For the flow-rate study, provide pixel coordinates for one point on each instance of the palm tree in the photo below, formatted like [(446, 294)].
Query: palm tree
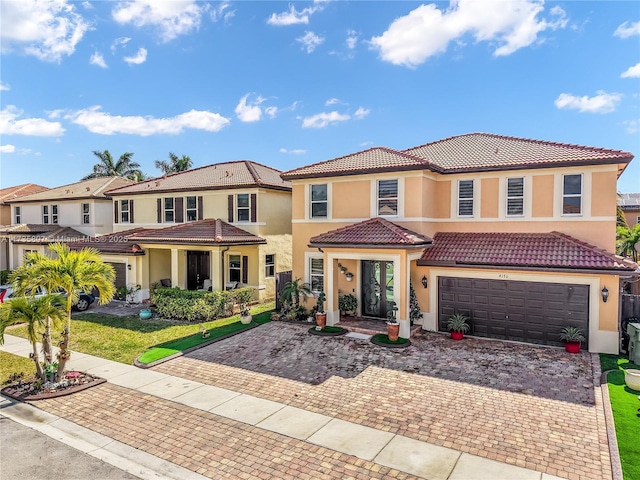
[(294, 290), (621, 220), (175, 164), (626, 241), (107, 167), (71, 271), (38, 313)]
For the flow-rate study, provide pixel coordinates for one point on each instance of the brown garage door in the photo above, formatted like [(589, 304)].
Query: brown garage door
[(121, 273), (532, 312)]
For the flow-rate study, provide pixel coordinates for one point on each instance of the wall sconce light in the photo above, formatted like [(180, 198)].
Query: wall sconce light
[(605, 294), (349, 276), (128, 266), (424, 281)]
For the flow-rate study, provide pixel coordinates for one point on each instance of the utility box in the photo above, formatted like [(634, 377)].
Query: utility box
[(633, 329)]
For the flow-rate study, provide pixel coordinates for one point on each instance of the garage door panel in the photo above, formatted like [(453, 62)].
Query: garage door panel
[(121, 274)]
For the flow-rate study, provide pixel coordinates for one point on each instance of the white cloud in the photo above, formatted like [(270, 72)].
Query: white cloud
[(361, 113), (427, 30), (310, 41), (631, 126), (324, 119), (119, 42), (138, 58), (4, 87), (603, 102), (366, 144), (38, 127), (251, 111), (293, 16), (352, 39), (173, 18), (271, 111), (105, 124), (297, 151), (627, 30), (47, 30), (632, 72), (98, 59), (218, 12), (7, 148), (87, 5), (332, 101), (54, 113)]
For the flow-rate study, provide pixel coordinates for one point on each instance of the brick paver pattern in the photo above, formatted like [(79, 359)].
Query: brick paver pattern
[(524, 405)]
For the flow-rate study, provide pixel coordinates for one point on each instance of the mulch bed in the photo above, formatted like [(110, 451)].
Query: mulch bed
[(24, 390)]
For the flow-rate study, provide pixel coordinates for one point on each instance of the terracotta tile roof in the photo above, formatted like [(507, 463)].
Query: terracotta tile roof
[(210, 231), (112, 243), (543, 250), (60, 234), (629, 201), (19, 190), (374, 232), (238, 174), (87, 189), (28, 228), (471, 152)]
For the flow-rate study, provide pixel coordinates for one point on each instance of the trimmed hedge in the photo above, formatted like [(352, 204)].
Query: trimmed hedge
[(197, 306)]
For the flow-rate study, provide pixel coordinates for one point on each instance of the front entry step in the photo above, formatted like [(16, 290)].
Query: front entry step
[(369, 326)]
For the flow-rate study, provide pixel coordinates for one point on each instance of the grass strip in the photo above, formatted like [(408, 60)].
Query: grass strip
[(11, 364)]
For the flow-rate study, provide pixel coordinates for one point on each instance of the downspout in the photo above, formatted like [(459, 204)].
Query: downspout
[(222, 252)]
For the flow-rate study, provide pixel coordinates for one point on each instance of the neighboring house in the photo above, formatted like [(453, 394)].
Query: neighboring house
[(58, 214), (5, 213), (630, 205), (218, 226), (517, 234)]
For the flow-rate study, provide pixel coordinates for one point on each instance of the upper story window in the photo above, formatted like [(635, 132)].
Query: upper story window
[(465, 198), (192, 209), (169, 210), (45, 214), (85, 213), (124, 211), (319, 201), (242, 207), (515, 197), (387, 197), (17, 215), (572, 194), (270, 265), (316, 275), (54, 214)]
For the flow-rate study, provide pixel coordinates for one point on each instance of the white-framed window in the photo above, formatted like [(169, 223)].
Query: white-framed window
[(387, 197), (235, 268), (54, 214), (45, 214), (169, 210), (124, 211), (242, 207), (572, 194), (319, 206), (17, 214), (192, 209), (270, 265), (316, 274), (465, 198), (637, 219), (515, 197), (85, 213)]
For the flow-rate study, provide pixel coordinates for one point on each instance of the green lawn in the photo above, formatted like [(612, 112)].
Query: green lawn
[(122, 339), (625, 404), (10, 364)]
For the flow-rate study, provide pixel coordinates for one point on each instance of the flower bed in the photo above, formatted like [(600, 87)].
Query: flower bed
[(33, 389)]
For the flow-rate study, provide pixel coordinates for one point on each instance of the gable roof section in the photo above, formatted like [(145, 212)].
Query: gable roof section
[(553, 250), (94, 188), (219, 176), (629, 201), (59, 234), (28, 229), (205, 232), (373, 232), (20, 190), (112, 243)]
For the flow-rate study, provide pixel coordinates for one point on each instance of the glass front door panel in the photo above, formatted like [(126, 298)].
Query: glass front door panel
[(377, 287)]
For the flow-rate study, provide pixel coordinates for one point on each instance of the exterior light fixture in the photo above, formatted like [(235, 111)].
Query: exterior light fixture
[(349, 276), (424, 281), (605, 294), (128, 266)]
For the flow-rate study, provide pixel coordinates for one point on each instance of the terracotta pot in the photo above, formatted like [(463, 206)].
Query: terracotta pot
[(393, 330), (457, 335), (572, 347), (321, 319)]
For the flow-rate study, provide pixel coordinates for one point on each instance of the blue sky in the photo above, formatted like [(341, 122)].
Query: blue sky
[(291, 83)]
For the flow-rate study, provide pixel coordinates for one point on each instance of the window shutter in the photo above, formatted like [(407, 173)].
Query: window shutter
[(200, 211), (245, 269), (130, 211), (254, 207), (179, 211), (230, 215), (159, 210), (115, 212)]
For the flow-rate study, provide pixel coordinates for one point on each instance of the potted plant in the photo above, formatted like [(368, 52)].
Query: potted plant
[(245, 316), (321, 316), (458, 326), (347, 303), (205, 333), (572, 338), (393, 326)]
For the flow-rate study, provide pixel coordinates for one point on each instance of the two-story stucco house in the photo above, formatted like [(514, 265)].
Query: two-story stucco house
[(516, 234), (58, 214), (213, 227), (630, 205)]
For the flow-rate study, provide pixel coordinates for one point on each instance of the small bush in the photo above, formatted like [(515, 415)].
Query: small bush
[(196, 306), (4, 276)]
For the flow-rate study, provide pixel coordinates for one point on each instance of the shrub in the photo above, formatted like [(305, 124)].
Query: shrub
[(4, 276), (347, 303), (196, 305)]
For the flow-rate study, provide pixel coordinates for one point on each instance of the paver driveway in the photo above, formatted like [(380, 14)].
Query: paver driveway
[(529, 406)]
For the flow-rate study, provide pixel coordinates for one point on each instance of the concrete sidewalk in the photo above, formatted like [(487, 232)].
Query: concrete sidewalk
[(383, 448)]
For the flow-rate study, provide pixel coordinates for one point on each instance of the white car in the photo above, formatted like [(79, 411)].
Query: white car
[(6, 293)]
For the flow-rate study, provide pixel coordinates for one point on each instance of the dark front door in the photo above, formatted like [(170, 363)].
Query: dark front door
[(377, 288), (198, 266)]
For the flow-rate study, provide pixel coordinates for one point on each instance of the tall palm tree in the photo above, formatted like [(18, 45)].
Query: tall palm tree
[(626, 241), (108, 167), (175, 164), (71, 271), (37, 313)]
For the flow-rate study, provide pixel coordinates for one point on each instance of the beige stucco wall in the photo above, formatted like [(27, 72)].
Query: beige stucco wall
[(604, 196), (631, 216), (490, 189), (5, 214), (443, 199), (543, 196), (350, 199)]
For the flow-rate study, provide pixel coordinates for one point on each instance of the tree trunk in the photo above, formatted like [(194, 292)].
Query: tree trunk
[(46, 342), (36, 360), (64, 353)]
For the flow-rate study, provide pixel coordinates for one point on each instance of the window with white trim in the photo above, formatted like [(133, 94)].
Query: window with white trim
[(192, 209), (124, 211), (319, 201), (465, 198), (637, 220), (572, 194), (242, 207), (270, 265), (235, 268), (387, 197), (54, 214), (17, 215), (45, 214), (316, 274), (169, 210), (515, 197), (85, 213)]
